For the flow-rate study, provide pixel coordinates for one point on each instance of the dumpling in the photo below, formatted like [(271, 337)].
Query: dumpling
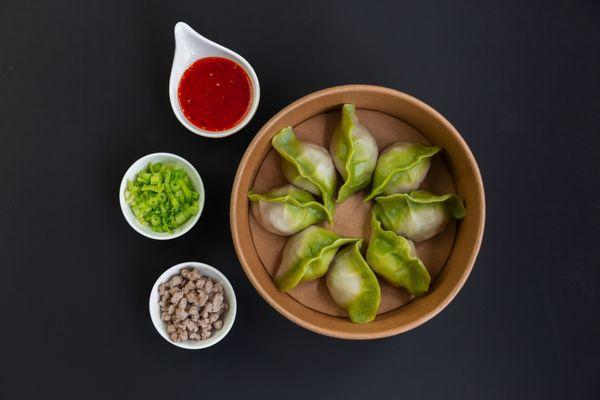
[(418, 215), (286, 210), (353, 285), (401, 168), (307, 255), (307, 166), (354, 152), (394, 258)]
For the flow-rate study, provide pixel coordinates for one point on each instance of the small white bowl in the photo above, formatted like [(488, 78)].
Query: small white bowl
[(138, 166), (215, 275), (191, 46)]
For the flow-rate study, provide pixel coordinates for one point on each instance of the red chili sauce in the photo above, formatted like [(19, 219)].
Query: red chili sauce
[(215, 94)]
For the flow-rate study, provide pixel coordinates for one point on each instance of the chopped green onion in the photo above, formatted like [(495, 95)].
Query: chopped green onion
[(162, 197), (155, 179), (152, 188)]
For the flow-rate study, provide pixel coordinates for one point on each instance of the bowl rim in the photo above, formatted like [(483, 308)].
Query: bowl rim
[(154, 308), (128, 213), (290, 310)]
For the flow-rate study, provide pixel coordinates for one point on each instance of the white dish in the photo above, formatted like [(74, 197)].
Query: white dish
[(142, 163), (229, 316), (191, 46)]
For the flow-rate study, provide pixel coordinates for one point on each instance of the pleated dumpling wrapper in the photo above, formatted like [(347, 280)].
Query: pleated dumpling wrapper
[(286, 210), (307, 255), (354, 152), (307, 165), (401, 167), (394, 258), (419, 215), (352, 284)]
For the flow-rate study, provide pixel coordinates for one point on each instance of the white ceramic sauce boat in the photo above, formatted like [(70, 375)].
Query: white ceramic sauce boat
[(191, 46)]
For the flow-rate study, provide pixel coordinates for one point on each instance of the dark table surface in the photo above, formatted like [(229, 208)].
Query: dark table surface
[(84, 94)]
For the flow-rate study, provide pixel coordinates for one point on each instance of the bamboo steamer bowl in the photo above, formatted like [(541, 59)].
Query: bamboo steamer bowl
[(468, 235)]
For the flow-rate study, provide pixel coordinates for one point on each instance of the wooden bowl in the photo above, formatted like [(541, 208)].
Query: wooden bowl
[(390, 115)]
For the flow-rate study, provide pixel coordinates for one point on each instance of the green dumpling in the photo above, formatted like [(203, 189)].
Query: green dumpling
[(354, 152), (307, 166), (394, 258), (286, 210), (419, 215), (353, 285), (401, 168), (307, 255)]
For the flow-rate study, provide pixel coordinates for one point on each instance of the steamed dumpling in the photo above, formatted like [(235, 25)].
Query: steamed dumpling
[(286, 210), (401, 168), (307, 166), (354, 153), (307, 255), (353, 285), (394, 258), (419, 215)]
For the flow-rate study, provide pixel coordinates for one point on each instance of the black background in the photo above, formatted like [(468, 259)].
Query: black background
[(83, 94)]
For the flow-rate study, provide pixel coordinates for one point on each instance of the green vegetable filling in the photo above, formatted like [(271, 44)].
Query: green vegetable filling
[(162, 197)]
